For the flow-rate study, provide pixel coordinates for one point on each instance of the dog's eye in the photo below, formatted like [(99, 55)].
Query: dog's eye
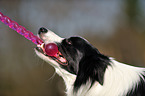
[(68, 42)]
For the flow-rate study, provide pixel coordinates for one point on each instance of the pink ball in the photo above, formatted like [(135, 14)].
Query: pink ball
[(51, 49)]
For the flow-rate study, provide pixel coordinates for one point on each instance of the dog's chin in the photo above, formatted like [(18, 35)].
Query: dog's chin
[(59, 59), (47, 59)]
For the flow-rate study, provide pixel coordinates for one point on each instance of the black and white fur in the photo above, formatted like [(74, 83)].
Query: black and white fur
[(90, 73)]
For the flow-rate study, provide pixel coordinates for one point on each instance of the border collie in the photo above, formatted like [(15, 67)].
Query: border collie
[(87, 72)]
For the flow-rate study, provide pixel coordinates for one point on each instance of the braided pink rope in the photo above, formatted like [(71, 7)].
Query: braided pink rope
[(20, 29)]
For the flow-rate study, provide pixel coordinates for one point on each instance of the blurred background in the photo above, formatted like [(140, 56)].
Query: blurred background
[(115, 27)]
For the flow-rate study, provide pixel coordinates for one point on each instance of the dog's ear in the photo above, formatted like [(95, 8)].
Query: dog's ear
[(91, 69)]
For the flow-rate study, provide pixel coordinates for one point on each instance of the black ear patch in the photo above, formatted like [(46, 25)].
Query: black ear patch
[(91, 68), (85, 61)]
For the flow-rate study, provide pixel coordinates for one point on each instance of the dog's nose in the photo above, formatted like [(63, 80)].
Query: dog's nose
[(42, 30)]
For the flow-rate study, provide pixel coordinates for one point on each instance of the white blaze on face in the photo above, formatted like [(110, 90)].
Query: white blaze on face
[(50, 37)]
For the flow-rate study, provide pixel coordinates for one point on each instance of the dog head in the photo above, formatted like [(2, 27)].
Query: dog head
[(76, 57)]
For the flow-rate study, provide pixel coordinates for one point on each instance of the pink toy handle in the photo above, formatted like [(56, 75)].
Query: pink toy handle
[(20, 29)]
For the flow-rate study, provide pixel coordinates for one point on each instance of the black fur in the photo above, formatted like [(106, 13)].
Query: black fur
[(88, 63), (140, 88), (84, 60)]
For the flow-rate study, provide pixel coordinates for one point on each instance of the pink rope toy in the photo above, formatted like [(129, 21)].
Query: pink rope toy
[(20, 29)]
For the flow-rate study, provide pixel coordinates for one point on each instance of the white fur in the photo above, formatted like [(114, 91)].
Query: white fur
[(69, 78), (119, 78), (50, 37)]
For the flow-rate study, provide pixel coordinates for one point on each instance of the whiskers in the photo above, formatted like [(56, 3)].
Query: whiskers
[(43, 68), (51, 77)]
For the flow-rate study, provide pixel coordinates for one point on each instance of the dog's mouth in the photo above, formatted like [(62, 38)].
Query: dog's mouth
[(59, 58)]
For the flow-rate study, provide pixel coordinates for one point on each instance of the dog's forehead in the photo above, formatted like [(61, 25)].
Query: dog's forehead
[(79, 40)]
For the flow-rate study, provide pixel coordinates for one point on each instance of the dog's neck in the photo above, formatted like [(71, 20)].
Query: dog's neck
[(67, 77), (114, 71)]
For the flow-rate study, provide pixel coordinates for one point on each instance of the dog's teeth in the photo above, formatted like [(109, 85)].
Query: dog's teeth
[(41, 46), (62, 59), (38, 45)]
